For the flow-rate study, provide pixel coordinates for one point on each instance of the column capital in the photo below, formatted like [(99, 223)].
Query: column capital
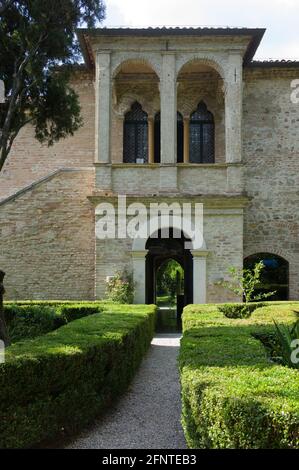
[(199, 253), (139, 254)]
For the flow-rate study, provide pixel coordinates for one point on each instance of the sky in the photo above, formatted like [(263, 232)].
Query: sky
[(280, 17)]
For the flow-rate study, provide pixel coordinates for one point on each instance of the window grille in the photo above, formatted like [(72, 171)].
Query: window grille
[(202, 135), (135, 146)]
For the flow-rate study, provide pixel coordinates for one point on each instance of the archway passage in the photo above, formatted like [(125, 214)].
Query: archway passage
[(160, 252), (275, 276)]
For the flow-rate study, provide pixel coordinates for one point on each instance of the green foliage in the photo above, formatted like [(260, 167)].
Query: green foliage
[(38, 45), (33, 319), (287, 344), (120, 288), (233, 396), (244, 283), (57, 383), (239, 310), (170, 279), (30, 321)]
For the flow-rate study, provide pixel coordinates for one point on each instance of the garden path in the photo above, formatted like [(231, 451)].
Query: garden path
[(148, 415)]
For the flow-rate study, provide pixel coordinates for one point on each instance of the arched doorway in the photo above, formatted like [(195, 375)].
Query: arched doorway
[(275, 276), (161, 250)]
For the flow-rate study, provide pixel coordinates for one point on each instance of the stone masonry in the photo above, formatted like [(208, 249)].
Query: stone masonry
[(48, 196)]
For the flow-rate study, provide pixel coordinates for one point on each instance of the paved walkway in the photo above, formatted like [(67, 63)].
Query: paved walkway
[(149, 414)]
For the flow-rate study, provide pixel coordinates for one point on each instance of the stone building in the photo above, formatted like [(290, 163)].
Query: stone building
[(170, 115)]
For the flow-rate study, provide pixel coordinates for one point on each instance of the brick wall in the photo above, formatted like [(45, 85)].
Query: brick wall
[(29, 161), (271, 153), (47, 240)]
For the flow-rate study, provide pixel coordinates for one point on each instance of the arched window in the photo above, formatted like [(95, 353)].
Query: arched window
[(135, 135), (202, 135), (180, 138), (275, 275)]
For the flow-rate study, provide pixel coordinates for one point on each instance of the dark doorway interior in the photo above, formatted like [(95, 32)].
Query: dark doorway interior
[(160, 250), (275, 276)]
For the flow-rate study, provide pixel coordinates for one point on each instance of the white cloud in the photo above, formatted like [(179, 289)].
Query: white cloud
[(280, 17)]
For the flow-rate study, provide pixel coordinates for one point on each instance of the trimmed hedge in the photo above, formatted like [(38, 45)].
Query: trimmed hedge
[(233, 395), (239, 310), (61, 381), (31, 319)]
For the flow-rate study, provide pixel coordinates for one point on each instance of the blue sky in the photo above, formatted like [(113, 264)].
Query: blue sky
[(280, 17)]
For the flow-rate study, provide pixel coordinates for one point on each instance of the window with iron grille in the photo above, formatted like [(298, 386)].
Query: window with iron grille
[(202, 135), (135, 148), (180, 137)]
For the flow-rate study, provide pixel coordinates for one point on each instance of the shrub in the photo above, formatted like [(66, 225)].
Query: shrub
[(287, 339), (30, 321), (62, 380), (245, 283), (233, 396), (33, 319), (120, 288), (239, 310), (71, 312)]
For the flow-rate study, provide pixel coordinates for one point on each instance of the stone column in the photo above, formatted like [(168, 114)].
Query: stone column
[(199, 276), (103, 107), (186, 139), (168, 98), (139, 275), (103, 121), (151, 140), (233, 109), (168, 94)]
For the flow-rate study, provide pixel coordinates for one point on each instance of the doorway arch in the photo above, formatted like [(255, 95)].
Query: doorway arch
[(198, 253), (160, 250)]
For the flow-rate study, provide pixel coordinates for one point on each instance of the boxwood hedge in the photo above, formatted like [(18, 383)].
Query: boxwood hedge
[(60, 381), (31, 319), (233, 395)]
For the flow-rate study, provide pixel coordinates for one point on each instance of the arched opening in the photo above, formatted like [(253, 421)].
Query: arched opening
[(201, 100), (136, 97), (162, 251), (202, 135), (135, 145), (170, 282), (275, 275), (169, 293), (180, 138)]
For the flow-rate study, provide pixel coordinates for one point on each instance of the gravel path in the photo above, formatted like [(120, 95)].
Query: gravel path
[(148, 416)]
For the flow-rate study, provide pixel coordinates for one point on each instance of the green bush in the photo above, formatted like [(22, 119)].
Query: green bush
[(239, 310), (71, 312), (120, 288), (233, 396), (31, 319), (61, 381)]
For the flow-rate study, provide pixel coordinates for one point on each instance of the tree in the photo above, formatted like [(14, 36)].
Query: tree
[(245, 282), (38, 46)]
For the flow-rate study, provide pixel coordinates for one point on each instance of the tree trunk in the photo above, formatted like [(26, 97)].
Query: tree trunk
[(3, 329)]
